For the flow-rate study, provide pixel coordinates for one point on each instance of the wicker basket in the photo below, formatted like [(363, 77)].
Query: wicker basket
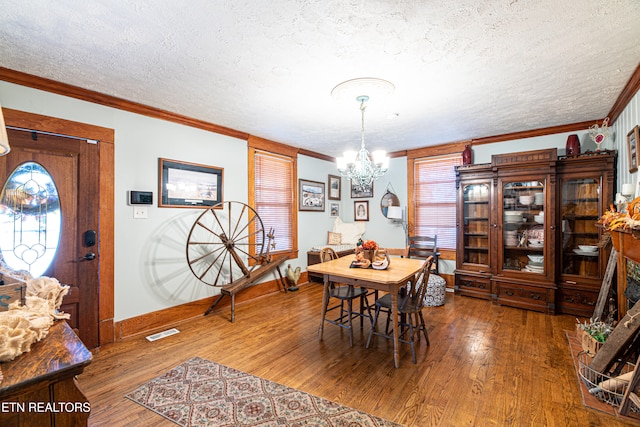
[(594, 380)]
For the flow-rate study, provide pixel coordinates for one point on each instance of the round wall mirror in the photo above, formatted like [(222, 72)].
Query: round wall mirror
[(389, 199)]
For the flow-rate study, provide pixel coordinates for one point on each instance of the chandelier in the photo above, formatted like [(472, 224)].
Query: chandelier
[(360, 167)]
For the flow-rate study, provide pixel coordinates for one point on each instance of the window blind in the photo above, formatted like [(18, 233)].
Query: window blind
[(274, 197), (435, 198)]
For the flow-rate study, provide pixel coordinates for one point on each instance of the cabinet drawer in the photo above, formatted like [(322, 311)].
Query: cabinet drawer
[(578, 302), (479, 287), (526, 296)]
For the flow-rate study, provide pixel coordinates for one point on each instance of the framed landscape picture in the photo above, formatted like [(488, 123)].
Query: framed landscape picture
[(357, 193), (311, 195), (188, 185)]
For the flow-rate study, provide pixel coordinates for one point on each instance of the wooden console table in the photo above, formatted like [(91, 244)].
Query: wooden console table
[(313, 257), (39, 387)]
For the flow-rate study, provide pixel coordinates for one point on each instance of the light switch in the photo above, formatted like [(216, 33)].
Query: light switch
[(140, 212)]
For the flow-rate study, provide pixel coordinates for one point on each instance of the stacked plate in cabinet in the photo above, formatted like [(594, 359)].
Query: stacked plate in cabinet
[(511, 238), (513, 217), (587, 250), (535, 265), (538, 198)]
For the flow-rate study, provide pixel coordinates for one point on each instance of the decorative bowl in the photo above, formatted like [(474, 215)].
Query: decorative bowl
[(536, 242), (588, 248)]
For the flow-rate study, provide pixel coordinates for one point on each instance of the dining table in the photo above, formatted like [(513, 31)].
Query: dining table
[(391, 280)]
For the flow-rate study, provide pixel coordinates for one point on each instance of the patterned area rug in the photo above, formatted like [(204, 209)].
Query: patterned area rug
[(204, 393)]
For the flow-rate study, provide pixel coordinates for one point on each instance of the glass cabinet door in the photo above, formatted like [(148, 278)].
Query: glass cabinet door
[(476, 223), (580, 212), (523, 230)]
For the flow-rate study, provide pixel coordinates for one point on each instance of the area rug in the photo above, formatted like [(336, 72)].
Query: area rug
[(204, 393)]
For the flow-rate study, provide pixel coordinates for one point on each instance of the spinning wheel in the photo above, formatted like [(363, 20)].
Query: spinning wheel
[(222, 241), (226, 248)]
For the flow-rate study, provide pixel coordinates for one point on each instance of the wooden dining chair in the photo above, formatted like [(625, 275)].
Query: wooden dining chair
[(401, 252), (345, 294), (423, 247), (410, 304)]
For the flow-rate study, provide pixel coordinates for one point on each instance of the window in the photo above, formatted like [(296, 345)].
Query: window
[(272, 191), (30, 219), (434, 187)]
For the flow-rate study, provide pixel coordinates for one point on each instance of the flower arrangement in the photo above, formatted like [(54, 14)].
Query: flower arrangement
[(629, 220), (369, 245), (366, 253)]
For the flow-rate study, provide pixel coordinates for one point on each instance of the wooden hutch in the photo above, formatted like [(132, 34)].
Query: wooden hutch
[(526, 229)]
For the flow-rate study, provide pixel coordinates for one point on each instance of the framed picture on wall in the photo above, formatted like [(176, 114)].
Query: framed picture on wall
[(188, 185), (334, 187), (334, 209), (632, 149), (361, 210), (357, 192), (311, 195)]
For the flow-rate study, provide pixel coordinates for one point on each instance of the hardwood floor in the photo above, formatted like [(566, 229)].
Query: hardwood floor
[(486, 365)]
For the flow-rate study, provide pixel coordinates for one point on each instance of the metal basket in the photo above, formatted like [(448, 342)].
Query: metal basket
[(615, 390)]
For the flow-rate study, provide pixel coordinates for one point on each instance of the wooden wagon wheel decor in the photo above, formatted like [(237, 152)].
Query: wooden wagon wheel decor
[(226, 248)]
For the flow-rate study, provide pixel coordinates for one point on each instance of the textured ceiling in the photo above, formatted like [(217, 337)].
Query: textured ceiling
[(462, 69)]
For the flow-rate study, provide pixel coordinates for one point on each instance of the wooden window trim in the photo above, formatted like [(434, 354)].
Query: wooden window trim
[(276, 148), (414, 156)]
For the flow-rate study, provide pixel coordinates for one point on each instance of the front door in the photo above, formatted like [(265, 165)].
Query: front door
[(74, 167)]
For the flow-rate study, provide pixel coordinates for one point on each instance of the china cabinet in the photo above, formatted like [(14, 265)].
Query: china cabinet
[(525, 228), (527, 234), (474, 231), (586, 187)]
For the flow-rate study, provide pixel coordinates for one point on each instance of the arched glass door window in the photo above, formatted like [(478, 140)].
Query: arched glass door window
[(30, 219)]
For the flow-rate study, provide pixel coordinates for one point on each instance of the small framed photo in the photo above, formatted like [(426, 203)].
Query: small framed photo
[(358, 193), (361, 210), (310, 195), (633, 138), (334, 187), (334, 209), (188, 185)]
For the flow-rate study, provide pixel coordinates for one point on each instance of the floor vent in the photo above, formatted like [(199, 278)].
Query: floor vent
[(162, 334)]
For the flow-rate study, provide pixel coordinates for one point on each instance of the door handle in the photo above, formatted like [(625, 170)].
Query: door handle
[(90, 256)]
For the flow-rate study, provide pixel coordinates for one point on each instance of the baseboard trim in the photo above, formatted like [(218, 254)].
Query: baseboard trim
[(162, 319)]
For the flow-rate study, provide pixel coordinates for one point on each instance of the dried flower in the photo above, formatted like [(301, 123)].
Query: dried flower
[(597, 329), (369, 245)]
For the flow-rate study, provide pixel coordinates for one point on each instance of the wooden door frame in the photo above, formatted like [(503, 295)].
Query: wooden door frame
[(105, 136)]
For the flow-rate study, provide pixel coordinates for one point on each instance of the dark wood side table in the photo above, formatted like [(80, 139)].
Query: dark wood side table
[(313, 257), (39, 387)]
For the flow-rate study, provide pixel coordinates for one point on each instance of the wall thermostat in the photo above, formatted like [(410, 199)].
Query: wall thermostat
[(140, 197)]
